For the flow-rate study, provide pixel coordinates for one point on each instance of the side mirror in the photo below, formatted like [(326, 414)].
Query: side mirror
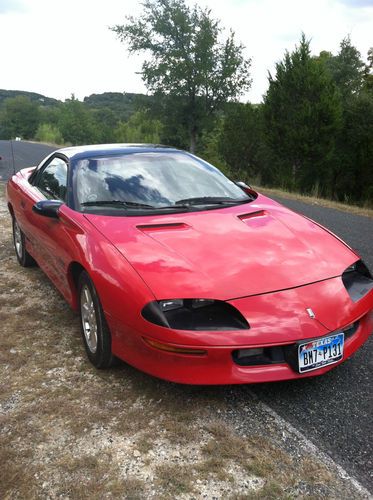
[(242, 185), (47, 208)]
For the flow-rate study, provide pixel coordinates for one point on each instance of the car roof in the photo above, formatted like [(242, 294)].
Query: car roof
[(77, 152)]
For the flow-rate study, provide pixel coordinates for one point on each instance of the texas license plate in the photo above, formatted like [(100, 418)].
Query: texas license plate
[(317, 353)]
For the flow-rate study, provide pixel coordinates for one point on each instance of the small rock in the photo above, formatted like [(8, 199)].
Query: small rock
[(136, 453)]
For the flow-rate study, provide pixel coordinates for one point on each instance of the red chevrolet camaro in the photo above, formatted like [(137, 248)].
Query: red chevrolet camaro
[(185, 274)]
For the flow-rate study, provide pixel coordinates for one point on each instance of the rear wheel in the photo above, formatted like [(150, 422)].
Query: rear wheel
[(95, 331), (23, 257)]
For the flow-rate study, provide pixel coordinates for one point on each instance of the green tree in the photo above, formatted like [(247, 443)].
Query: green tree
[(347, 68), (302, 112), (77, 124), (107, 122), (240, 137), (49, 133), (354, 181), (50, 114), (187, 59), (171, 111), (349, 174), (20, 117), (368, 77), (209, 146), (140, 128)]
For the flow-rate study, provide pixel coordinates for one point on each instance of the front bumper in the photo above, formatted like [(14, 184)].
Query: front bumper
[(217, 367), (277, 319)]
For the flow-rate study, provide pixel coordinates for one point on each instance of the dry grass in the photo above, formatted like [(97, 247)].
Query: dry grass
[(52, 144), (174, 480), (70, 431), (312, 200)]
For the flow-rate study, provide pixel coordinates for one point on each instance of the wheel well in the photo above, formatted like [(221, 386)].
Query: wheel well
[(75, 270), (10, 208)]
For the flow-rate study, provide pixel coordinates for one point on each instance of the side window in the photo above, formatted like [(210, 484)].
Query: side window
[(52, 180)]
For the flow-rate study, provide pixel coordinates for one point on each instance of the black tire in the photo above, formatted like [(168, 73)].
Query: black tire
[(99, 352), (23, 257)]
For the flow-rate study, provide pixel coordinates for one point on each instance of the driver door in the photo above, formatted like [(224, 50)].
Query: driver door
[(48, 237)]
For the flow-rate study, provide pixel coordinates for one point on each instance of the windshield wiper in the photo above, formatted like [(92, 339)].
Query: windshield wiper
[(129, 204), (133, 204), (180, 204), (210, 200)]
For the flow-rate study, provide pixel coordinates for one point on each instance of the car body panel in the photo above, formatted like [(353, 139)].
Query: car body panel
[(216, 254)]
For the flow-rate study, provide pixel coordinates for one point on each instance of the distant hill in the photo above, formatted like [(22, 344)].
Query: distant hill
[(33, 96), (122, 104)]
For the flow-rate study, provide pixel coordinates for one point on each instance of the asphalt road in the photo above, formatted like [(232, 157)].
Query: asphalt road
[(26, 154), (334, 411)]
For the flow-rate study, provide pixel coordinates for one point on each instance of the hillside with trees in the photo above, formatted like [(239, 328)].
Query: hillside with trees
[(123, 105), (32, 96), (313, 132)]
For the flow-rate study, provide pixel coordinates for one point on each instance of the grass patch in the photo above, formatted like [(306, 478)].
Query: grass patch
[(313, 200), (174, 480), (270, 491)]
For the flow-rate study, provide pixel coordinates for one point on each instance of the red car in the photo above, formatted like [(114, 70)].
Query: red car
[(185, 274)]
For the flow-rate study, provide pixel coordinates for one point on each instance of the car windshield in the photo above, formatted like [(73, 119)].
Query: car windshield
[(149, 181)]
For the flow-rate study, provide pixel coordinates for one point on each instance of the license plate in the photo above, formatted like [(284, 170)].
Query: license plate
[(317, 353)]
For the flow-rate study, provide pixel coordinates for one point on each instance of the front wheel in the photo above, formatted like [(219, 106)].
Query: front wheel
[(23, 257), (95, 331)]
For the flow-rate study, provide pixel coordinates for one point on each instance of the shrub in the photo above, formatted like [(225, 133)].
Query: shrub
[(49, 133)]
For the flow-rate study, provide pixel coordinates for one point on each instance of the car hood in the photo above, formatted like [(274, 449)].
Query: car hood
[(226, 253)]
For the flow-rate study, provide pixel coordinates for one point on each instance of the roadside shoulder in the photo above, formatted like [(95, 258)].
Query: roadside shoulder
[(311, 200)]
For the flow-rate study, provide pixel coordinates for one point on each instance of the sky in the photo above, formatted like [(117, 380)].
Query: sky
[(57, 48)]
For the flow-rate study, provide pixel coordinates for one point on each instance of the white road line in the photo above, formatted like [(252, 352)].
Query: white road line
[(308, 446)]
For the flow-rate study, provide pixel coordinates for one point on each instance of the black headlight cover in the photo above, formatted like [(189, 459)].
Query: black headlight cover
[(191, 314), (357, 280)]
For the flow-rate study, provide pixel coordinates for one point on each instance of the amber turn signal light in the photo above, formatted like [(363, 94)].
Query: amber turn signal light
[(174, 349)]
